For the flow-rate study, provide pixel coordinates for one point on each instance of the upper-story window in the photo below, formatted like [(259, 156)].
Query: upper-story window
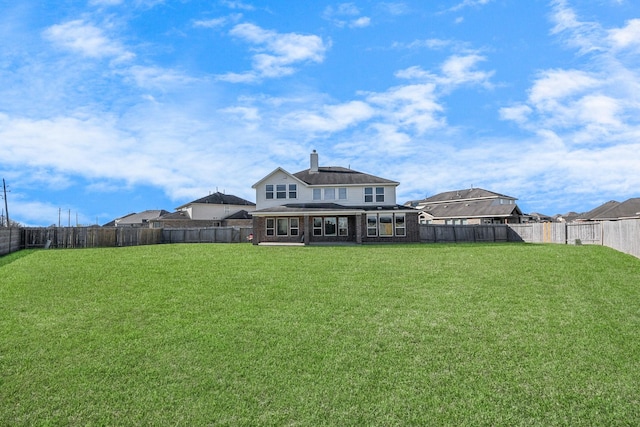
[(329, 193), (342, 193), (374, 193), (281, 191)]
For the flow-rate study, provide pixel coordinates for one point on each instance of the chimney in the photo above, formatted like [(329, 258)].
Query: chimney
[(314, 162)]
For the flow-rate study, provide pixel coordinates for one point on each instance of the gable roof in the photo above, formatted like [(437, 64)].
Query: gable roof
[(595, 212), (614, 210), (336, 175), (275, 171), (218, 198), (460, 196), (471, 209), (175, 215), (139, 218), (242, 214)]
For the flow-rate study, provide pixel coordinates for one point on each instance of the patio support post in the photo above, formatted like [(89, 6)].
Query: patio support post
[(307, 230), (359, 229)]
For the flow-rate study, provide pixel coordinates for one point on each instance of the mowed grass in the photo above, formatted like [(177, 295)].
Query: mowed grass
[(238, 335)]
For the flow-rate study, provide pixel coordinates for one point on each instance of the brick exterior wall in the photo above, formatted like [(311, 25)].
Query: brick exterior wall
[(412, 231), (357, 232)]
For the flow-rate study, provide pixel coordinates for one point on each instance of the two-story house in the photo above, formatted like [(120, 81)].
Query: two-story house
[(330, 205), (468, 206)]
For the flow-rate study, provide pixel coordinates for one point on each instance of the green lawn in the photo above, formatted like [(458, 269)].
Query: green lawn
[(239, 335)]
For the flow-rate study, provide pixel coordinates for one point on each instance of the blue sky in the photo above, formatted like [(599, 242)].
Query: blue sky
[(114, 106)]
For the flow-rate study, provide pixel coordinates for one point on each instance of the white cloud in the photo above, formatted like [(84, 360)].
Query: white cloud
[(412, 106), (587, 107), (586, 36), (34, 213), (411, 109), (346, 15), (331, 118), (394, 8), (361, 22), (156, 77), (599, 110), (427, 43), (86, 39), (217, 22), (105, 2), (277, 53), (517, 113), (469, 3), (557, 84), (626, 37), (247, 114), (460, 70), (237, 5), (455, 71)]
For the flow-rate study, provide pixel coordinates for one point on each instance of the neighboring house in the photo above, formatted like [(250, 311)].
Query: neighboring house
[(469, 206), (330, 205), (536, 217), (215, 210), (595, 212), (612, 211), (142, 219), (216, 206), (568, 217)]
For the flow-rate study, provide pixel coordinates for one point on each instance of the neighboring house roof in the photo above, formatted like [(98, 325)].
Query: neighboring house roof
[(242, 214), (568, 217), (139, 218), (175, 215), (628, 209), (335, 175), (596, 212), (472, 208), (459, 195), (112, 223), (218, 198)]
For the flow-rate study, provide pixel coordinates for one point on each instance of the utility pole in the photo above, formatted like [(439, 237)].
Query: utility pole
[(6, 207), (6, 211)]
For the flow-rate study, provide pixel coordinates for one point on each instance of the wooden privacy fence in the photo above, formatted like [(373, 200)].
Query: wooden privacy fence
[(10, 240), (437, 233), (89, 237), (622, 235), (207, 235), (589, 233), (98, 237)]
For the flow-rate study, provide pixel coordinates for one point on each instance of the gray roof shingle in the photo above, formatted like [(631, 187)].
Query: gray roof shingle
[(460, 195), (475, 208), (335, 175), (614, 210), (221, 199)]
